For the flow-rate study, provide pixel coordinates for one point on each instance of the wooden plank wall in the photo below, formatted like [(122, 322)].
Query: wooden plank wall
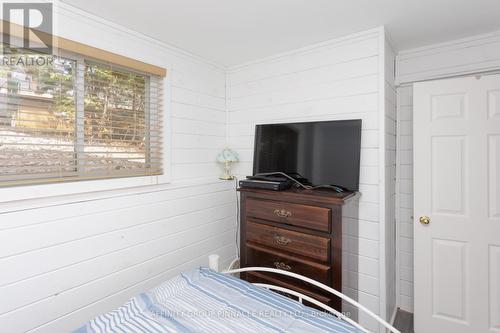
[(329, 81), (64, 260)]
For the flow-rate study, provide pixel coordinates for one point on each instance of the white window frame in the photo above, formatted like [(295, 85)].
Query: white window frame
[(78, 187)]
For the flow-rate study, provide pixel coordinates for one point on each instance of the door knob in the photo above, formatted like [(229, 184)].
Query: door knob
[(425, 220)]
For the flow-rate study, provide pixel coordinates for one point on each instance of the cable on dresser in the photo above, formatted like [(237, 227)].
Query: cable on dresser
[(337, 189)]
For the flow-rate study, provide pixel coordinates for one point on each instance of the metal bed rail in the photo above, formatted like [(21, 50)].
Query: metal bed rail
[(303, 297)]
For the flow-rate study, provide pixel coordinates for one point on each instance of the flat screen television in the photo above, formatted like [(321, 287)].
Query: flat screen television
[(318, 153)]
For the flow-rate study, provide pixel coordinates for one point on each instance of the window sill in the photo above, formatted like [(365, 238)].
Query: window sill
[(29, 197), (29, 192), (33, 196)]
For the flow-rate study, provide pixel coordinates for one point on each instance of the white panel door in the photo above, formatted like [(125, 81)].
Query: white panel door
[(457, 205)]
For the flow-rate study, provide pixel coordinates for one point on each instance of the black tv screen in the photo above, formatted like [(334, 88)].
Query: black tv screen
[(320, 153)]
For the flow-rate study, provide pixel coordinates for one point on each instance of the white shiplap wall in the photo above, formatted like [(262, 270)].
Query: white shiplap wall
[(390, 180), (475, 54), (335, 80), (405, 197), (65, 259)]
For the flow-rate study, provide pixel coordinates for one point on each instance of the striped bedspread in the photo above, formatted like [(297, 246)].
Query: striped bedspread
[(206, 301)]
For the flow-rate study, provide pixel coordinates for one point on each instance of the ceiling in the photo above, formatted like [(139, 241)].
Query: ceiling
[(231, 32)]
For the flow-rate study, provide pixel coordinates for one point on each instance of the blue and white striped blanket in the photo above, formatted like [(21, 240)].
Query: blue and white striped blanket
[(206, 301)]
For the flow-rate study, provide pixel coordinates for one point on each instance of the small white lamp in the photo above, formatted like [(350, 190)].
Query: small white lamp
[(227, 156)]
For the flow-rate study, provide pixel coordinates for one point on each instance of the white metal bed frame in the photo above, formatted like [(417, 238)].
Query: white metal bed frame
[(302, 297)]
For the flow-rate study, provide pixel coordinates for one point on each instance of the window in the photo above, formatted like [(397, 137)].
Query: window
[(73, 119), (121, 135)]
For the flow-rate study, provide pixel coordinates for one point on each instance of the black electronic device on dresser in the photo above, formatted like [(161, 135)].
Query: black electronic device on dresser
[(299, 229), (265, 184)]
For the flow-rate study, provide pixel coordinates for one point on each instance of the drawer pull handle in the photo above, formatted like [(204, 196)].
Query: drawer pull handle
[(282, 240), (282, 266), (282, 213)]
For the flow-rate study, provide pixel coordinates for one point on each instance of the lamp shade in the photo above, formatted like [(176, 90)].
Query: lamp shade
[(227, 155)]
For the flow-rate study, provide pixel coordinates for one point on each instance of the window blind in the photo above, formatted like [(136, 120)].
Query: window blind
[(75, 119), (122, 123)]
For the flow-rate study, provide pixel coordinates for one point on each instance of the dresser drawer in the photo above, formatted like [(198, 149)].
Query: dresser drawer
[(273, 279), (264, 257), (314, 247), (311, 217)]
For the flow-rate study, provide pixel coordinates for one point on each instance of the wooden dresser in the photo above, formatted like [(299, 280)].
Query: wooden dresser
[(295, 230)]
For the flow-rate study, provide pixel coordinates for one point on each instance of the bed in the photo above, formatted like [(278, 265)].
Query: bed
[(204, 300)]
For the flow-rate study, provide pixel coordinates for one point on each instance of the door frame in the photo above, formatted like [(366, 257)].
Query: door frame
[(409, 85)]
